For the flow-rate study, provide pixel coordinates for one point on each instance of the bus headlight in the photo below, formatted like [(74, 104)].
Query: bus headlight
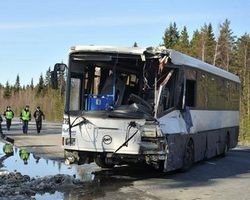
[(65, 120), (70, 141), (148, 133), (151, 131)]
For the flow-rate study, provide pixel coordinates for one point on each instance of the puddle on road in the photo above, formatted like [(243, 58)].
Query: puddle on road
[(13, 159), (29, 164)]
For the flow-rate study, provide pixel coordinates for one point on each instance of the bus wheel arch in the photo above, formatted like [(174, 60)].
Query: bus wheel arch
[(188, 156)]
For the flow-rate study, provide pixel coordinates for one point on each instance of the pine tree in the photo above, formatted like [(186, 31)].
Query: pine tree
[(171, 36), (225, 43), (32, 84), (47, 81), (183, 42), (210, 44), (135, 44), (17, 86), (196, 50), (203, 44), (7, 91), (40, 87), (242, 68)]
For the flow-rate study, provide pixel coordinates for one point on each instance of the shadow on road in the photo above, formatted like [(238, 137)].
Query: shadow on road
[(110, 182), (235, 164)]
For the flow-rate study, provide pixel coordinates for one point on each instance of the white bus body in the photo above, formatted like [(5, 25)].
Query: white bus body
[(154, 106)]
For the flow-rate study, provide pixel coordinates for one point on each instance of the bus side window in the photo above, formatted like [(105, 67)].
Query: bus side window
[(190, 93)]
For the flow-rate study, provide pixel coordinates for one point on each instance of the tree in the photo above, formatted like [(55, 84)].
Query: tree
[(210, 43), (40, 86), (47, 79), (17, 86), (32, 84), (203, 44), (195, 50), (135, 44), (171, 36), (183, 42), (7, 91), (242, 68), (224, 46)]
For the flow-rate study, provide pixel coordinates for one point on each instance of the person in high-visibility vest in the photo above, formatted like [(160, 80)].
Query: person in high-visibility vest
[(8, 114), (25, 116), (24, 155), (8, 149)]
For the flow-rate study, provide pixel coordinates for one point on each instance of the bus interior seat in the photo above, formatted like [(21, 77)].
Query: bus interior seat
[(120, 88)]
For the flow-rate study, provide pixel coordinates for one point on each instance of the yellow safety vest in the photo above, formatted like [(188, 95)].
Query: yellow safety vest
[(24, 154), (25, 115), (9, 114)]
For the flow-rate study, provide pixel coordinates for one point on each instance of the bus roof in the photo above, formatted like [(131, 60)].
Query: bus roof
[(177, 58), (109, 49)]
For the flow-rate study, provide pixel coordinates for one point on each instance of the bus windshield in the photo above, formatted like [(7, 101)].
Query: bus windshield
[(107, 82)]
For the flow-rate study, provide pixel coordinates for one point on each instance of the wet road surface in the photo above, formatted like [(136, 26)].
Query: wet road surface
[(218, 178)]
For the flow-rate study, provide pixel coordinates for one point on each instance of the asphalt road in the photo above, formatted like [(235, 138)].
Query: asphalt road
[(218, 178)]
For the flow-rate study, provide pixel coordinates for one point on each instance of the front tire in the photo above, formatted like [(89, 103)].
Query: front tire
[(101, 162)]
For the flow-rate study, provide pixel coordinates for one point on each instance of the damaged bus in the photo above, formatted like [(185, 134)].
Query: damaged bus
[(146, 105)]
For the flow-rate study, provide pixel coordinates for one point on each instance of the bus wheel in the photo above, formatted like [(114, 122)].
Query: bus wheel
[(188, 158), (101, 162), (82, 159)]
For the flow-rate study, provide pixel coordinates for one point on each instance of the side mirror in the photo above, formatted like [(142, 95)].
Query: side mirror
[(59, 67)]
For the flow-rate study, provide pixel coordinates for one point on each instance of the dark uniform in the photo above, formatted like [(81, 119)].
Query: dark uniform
[(25, 116), (39, 116)]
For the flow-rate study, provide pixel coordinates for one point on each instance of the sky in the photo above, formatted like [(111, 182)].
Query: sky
[(36, 34)]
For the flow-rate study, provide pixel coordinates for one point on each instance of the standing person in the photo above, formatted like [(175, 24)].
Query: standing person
[(25, 116), (39, 116), (8, 114)]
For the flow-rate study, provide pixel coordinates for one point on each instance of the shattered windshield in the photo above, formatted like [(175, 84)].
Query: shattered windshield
[(119, 82), (104, 84)]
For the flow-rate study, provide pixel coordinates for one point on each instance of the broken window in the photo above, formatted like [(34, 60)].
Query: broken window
[(75, 94), (190, 93), (105, 84)]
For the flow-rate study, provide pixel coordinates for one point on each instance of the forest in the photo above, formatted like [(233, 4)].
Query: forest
[(224, 50), (50, 101)]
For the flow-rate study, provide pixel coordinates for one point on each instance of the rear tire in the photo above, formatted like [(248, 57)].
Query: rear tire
[(188, 158)]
